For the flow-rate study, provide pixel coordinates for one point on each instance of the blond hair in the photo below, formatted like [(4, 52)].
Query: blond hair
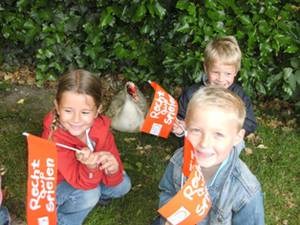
[(221, 98), (225, 49)]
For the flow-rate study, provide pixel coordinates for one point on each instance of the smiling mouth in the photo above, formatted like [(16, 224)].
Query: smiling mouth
[(75, 127), (204, 154)]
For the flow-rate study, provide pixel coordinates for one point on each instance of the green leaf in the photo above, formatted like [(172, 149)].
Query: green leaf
[(107, 17), (264, 27), (182, 4), (295, 63), (291, 49), (292, 82), (297, 76), (245, 20), (159, 10), (187, 5), (287, 72), (120, 51), (140, 12)]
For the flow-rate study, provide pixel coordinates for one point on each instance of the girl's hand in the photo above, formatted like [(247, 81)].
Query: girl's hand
[(108, 162), (178, 127), (83, 155), (88, 158)]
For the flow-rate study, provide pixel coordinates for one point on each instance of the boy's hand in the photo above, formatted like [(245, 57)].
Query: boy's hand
[(108, 162), (178, 128)]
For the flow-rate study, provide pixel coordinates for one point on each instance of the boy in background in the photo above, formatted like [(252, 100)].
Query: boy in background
[(214, 125), (222, 62)]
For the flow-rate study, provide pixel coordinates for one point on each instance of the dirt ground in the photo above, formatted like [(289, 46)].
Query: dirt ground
[(37, 100)]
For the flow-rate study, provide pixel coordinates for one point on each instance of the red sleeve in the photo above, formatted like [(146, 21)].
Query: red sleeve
[(76, 174), (110, 145)]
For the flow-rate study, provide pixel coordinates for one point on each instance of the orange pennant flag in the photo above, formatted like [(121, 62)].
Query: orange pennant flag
[(189, 159), (191, 204), (162, 113), (41, 181)]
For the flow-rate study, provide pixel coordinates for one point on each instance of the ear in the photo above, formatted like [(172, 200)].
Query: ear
[(56, 106), (99, 111), (205, 68), (239, 136)]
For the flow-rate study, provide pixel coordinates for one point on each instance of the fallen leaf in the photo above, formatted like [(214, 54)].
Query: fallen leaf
[(8, 76), (167, 157), (21, 101), (248, 151), (139, 147), (261, 146), (148, 147), (129, 140), (287, 129)]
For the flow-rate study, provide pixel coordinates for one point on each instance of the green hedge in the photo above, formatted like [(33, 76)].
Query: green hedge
[(154, 39)]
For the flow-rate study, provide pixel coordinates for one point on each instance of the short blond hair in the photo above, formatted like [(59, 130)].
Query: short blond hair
[(221, 98), (225, 49)]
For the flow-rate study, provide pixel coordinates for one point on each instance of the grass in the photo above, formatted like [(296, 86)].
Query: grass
[(274, 160)]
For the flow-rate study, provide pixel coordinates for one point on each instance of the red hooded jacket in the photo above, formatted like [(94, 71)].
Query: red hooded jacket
[(70, 169)]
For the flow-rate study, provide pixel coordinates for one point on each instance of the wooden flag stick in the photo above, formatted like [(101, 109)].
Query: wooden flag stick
[(60, 145)]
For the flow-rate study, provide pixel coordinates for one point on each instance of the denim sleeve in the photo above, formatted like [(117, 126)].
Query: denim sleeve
[(166, 185), (167, 188), (252, 213)]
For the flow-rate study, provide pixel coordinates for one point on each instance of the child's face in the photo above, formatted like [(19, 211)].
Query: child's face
[(221, 74), (213, 132), (76, 112)]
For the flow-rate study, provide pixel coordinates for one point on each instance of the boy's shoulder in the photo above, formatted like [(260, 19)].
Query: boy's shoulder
[(237, 89), (177, 157), (244, 183), (245, 177)]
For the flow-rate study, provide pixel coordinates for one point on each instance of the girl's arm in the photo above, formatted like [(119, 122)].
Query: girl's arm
[(252, 213), (115, 175)]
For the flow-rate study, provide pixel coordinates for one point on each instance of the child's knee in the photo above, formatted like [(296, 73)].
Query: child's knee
[(123, 188), (126, 183)]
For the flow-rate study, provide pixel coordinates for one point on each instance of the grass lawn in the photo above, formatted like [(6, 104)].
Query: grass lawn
[(273, 156)]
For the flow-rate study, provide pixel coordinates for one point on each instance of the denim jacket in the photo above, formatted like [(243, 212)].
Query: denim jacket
[(235, 192)]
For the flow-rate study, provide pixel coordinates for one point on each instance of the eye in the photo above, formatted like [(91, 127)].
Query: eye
[(194, 131), (228, 74), (86, 112), (219, 135), (67, 110)]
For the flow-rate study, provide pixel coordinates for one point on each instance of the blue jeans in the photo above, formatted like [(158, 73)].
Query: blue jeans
[(4, 216), (73, 205)]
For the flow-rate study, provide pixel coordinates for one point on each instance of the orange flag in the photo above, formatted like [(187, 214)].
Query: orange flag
[(189, 159), (162, 113), (191, 204), (41, 181)]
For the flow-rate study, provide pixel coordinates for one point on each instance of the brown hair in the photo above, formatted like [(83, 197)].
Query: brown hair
[(79, 81), (221, 98), (226, 49)]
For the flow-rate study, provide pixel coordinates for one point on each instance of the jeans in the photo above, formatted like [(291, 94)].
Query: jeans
[(4, 216), (73, 205)]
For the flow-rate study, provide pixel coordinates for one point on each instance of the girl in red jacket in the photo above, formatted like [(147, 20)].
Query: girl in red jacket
[(96, 172)]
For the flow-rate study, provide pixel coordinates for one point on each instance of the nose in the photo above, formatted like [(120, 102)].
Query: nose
[(221, 77), (76, 117), (204, 141)]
